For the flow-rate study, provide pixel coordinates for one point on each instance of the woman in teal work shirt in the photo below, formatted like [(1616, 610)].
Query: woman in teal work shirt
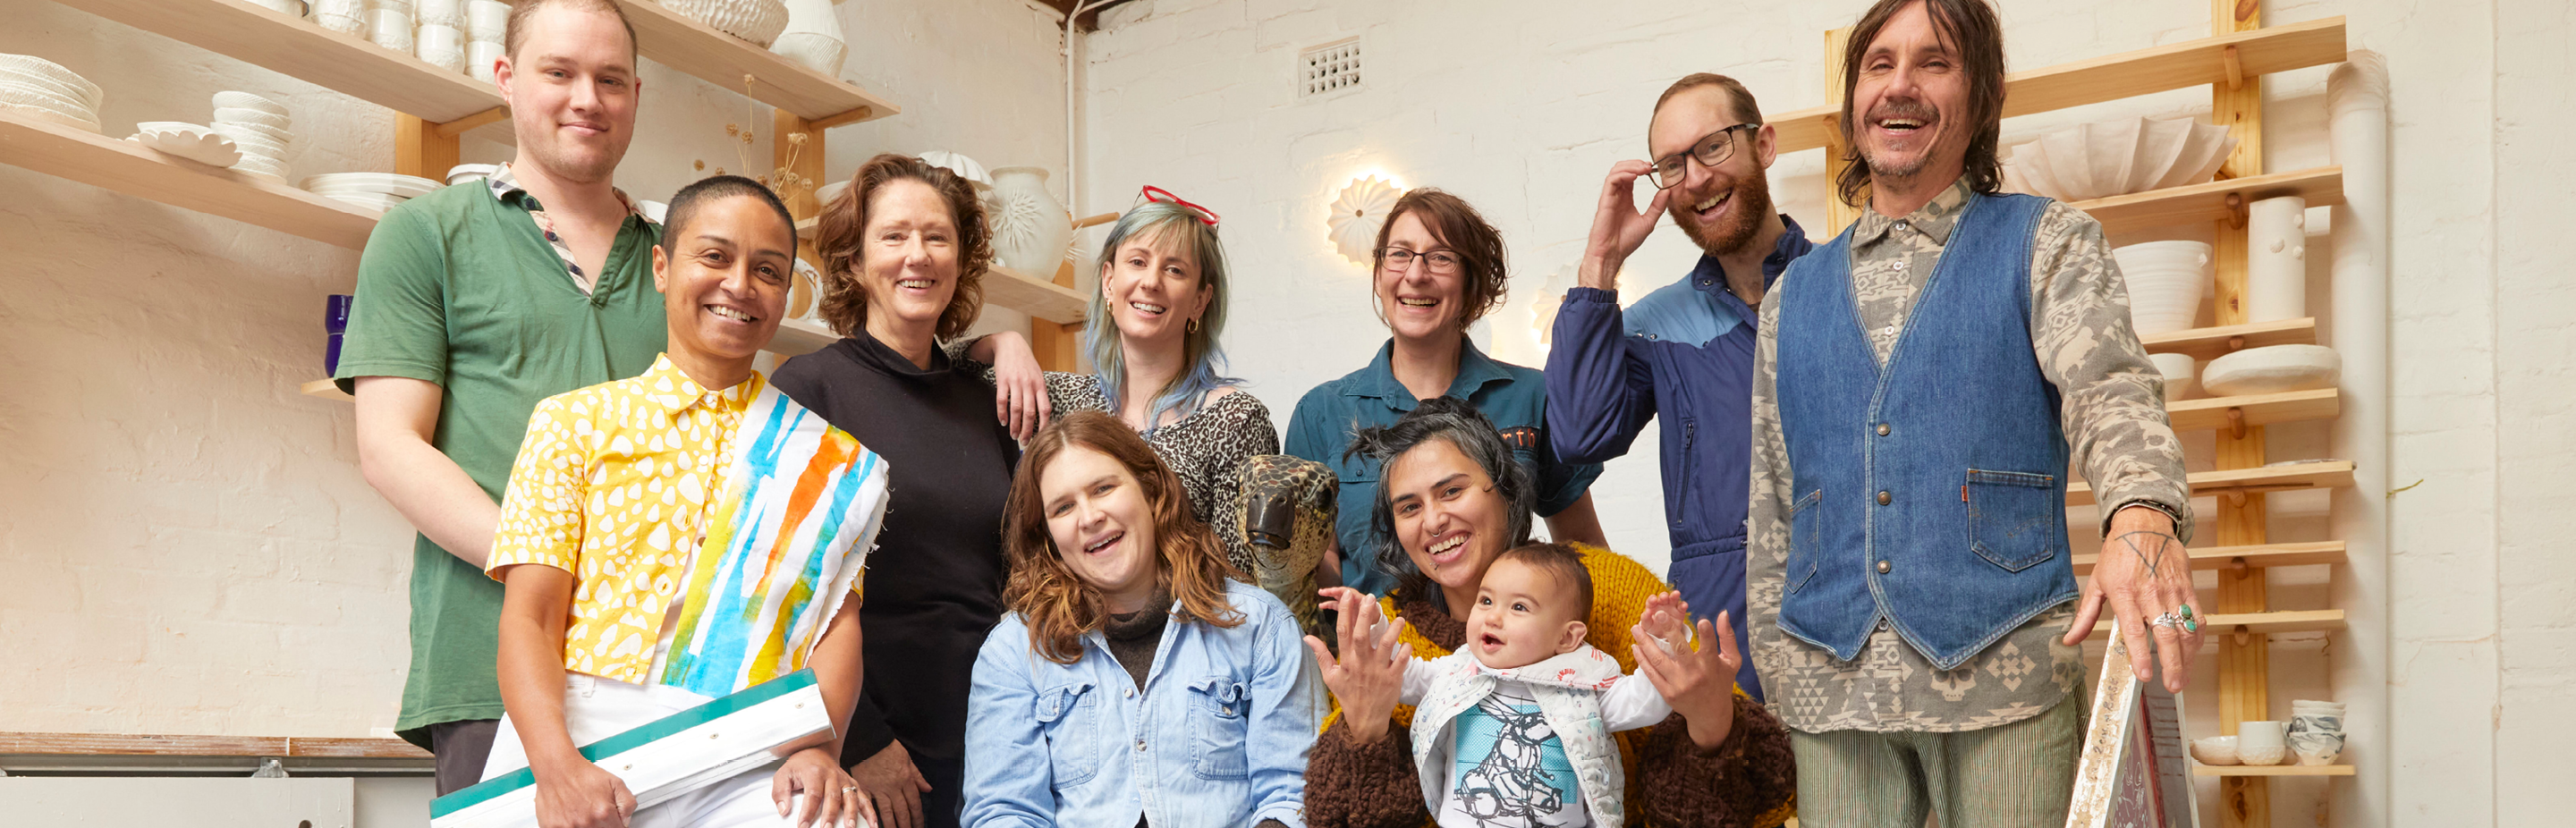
[(1439, 268)]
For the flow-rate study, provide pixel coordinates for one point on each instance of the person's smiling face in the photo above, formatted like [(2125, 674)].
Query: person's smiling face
[(572, 91), (1420, 303), (1102, 524), (908, 254), (1447, 515), (1523, 615), (1910, 99), (724, 279), (1154, 287), (1720, 208)]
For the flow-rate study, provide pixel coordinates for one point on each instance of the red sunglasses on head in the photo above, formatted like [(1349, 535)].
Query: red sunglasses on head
[(1153, 193)]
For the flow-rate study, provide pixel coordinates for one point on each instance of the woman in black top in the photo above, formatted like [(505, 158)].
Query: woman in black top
[(905, 250)]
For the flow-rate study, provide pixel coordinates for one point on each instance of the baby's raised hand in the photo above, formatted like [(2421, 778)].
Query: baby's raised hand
[(1666, 621)]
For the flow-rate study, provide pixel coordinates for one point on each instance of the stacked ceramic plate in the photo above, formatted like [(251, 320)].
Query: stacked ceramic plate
[(258, 126), (33, 87), (190, 141), (375, 191)]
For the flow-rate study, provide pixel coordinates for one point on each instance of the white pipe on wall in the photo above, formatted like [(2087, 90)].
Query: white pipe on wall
[(1072, 192), (2357, 107)]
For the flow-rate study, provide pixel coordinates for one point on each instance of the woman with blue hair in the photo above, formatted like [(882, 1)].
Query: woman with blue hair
[(1151, 335)]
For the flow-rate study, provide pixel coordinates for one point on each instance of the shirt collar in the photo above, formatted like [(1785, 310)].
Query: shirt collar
[(1710, 277), (504, 185), (674, 391), (1934, 219), (1475, 370)]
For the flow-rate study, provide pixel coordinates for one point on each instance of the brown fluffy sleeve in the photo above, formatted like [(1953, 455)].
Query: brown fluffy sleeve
[(1749, 781), (1364, 786)]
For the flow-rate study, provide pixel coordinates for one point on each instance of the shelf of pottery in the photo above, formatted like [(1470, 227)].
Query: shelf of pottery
[(2259, 364)]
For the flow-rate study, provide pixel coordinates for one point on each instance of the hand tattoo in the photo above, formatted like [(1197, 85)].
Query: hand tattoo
[(2149, 545)]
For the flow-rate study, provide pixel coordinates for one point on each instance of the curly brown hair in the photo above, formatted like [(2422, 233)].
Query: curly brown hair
[(1479, 247), (1057, 606), (837, 240)]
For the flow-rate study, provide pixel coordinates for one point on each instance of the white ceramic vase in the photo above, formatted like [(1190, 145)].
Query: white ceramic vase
[(2165, 281), (1030, 228), (2276, 259), (2177, 371), (813, 37)]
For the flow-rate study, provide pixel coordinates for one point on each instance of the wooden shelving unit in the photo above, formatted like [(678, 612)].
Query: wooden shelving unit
[(2212, 413), (2218, 626), (2257, 480), (112, 744), (2220, 340), (2227, 557), (2200, 62), (2214, 201), (303, 49), (679, 42), (126, 167)]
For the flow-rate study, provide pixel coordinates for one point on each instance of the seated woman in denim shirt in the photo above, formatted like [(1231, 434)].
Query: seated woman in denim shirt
[(1138, 679)]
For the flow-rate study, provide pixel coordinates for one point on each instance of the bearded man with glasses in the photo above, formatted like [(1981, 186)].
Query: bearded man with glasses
[(1684, 351)]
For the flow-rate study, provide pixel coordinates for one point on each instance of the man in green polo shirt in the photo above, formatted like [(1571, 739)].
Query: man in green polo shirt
[(475, 302)]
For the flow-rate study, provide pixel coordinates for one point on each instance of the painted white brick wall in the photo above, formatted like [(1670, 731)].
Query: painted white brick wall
[(1520, 105), (187, 546)]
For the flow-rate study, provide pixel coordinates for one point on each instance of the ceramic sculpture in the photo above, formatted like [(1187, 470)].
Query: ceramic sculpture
[(1030, 228), (190, 141), (813, 37), (757, 21), (2165, 283), (1358, 214), (2276, 259), (2272, 369), (2108, 158)]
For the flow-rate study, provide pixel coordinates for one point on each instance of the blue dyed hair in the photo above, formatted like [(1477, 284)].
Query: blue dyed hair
[(1206, 359)]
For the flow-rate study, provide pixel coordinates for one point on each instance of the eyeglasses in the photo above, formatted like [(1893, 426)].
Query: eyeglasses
[(1153, 193), (1440, 261), (1711, 150)]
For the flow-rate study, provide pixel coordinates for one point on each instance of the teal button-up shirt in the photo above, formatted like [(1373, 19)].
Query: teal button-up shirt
[(1512, 396)]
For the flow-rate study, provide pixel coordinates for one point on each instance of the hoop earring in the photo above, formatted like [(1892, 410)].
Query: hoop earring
[(1193, 326)]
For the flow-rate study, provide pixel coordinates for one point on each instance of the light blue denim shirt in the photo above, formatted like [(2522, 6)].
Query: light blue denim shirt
[(1217, 736)]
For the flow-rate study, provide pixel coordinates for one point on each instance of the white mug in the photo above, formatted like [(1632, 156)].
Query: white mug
[(2261, 743), (449, 13), (390, 29), (487, 19), (479, 57)]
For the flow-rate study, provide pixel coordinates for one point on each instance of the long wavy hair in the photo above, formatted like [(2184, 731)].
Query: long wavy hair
[(1160, 221), (845, 220), (1458, 423), (1971, 28), (1058, 607)]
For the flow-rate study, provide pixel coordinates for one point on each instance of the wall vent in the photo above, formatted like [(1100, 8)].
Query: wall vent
[(1328, 69)]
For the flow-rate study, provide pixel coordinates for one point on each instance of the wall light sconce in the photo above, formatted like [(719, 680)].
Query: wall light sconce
[(1358, 213)]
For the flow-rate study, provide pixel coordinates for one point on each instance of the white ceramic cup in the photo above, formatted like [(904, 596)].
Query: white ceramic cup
[(2262, 743), (487, 19), (345, 16), (449, 13), (480, 56), (390, 29), (2177, 369), (441, 46)]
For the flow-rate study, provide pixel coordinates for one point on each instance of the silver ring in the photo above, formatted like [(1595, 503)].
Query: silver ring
[(2166, 620), (850, 790)]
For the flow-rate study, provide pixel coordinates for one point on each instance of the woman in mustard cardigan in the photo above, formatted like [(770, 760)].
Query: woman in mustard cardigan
[(1453, 503)]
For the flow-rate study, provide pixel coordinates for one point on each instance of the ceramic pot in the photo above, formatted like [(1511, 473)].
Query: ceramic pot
[(757, 21), (2276, 259), (1030, 227), (481, 59), (2272, 369), (813, 37), (2316, 737), (2215, 750), (2261, 743), (440, 46), (2165, 281), (390, 29), (2099, 160), (2177, 371)]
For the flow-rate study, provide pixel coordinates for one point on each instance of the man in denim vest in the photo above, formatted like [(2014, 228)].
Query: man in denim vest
[(1921, 384)]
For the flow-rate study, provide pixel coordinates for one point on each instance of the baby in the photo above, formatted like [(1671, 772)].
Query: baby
[(1514, 728)]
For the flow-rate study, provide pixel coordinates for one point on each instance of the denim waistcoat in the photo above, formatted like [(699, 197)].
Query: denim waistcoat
[(1217, 736), (1929, 492)]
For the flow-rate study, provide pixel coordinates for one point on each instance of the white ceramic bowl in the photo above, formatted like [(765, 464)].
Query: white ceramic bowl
[(392, 184), (2272, 370), (245, 100), (824, 194), (190, 141), (27, 95), (2165, 282), (758, 21), (253, 146), (2177, 371), (257, 117), (282, 138), (2108, 158), (2215, 750), (47, 83), (371, 201), (462, 173), (88, 92), (964, 167), (487, 19), (813, 50)]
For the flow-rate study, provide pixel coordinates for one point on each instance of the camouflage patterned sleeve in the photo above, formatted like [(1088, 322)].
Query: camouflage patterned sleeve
[(1766, 543), (2114, 411)]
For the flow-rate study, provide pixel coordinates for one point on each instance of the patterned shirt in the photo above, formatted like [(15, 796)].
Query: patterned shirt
[(614, 485), (503, 185), (2113, 415)]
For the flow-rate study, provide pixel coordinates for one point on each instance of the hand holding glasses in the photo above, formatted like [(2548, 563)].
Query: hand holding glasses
[(1711, 150)]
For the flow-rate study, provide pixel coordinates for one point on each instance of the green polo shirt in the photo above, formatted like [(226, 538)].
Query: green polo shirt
[(460, 288)]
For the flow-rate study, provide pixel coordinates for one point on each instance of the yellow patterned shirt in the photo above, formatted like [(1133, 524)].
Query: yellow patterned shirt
[(614, 484)]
